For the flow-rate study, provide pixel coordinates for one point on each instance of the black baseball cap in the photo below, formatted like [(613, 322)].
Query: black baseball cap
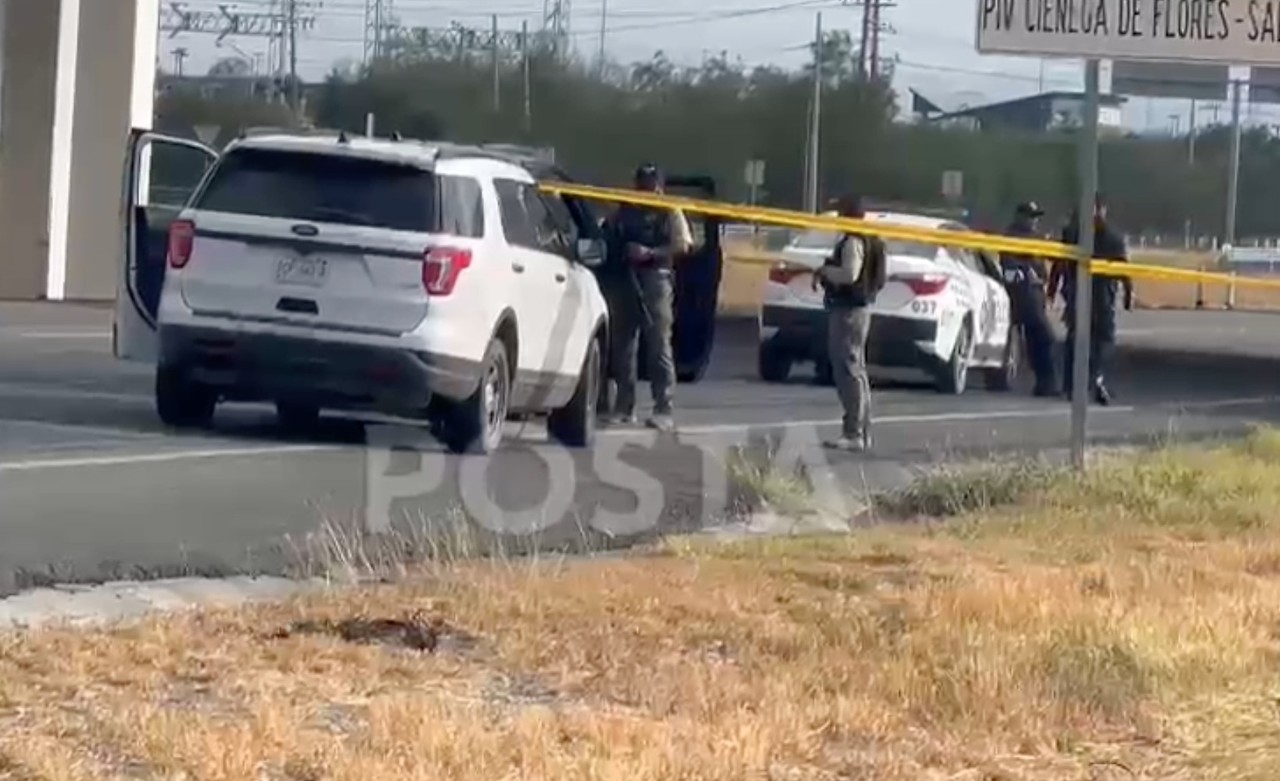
[(648, 172), (1030, 209)]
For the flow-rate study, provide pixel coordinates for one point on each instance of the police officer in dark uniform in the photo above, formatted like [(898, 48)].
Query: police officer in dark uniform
[(638, 287), (1025, 278), (1108, 244)]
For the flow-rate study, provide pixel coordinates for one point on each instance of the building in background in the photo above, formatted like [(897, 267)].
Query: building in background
[(1046, 112)]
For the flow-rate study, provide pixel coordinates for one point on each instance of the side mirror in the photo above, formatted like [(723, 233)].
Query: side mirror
[(590, 252)]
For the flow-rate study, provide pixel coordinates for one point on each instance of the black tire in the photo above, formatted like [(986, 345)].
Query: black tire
[(574, 425), (953, 376), (475, 424), (181, 403), (1005, 376), (774, 362), (297, 417), (823, 373)]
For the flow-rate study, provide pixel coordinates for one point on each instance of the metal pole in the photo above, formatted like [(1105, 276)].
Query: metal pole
[(1084, 283), (815, 120), (368, 125), (604, 20), (1191, 142), (1233, 182), (497, 72), (294, 88), (865, 41), (524, 55), (1191, 170)]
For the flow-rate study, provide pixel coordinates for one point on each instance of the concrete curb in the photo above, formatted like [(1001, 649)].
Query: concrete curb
[(124, 600)]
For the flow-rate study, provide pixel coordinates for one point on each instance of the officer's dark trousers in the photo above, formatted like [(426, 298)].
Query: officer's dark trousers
[(631, 314), (1100, 344), (1030, 311)]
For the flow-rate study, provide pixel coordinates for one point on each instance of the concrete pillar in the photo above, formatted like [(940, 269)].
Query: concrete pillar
[(78, 74), (30, 51), (116, 92)]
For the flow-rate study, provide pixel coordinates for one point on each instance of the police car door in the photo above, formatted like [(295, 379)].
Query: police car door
[(161, 172), (987, 336)]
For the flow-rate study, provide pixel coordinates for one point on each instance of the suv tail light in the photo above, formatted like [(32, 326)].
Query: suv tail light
[(441, 267), (923, 284), (182, 236)]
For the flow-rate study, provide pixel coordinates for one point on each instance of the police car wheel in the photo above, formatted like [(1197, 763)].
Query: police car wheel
[(1005, 376), (954, 374), (774, 362)]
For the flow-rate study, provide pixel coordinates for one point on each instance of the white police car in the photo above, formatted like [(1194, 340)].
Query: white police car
[(944, 311)]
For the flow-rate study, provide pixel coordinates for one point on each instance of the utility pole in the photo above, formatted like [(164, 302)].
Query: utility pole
[(875, 38), (604, 23), (1082, 319), (865, 41), (1233, 176), (295, 92), (497, 68), (1191, 142), (524, 57), (815, 123)]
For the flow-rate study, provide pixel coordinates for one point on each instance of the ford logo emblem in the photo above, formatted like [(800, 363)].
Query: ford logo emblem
[(305, 230)]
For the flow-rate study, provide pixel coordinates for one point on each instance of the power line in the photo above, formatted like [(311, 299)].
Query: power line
[(178, 18)]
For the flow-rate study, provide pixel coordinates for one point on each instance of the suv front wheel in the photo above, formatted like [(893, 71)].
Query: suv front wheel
[(474, 425), (574, 424)]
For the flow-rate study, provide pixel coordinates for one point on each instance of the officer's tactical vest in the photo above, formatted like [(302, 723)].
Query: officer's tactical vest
[(871, 279)]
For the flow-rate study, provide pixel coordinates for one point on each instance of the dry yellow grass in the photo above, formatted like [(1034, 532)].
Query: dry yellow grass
[(1120, 626)]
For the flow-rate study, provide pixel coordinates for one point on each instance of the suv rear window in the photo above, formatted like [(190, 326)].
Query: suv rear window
[(323, 188)]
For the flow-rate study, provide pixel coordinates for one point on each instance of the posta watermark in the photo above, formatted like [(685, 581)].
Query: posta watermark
[(626, 484)]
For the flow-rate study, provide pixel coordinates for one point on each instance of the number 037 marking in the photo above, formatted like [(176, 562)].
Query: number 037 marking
[(924, 307)]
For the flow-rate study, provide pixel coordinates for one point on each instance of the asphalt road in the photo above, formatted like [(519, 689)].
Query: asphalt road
[(92, 487)]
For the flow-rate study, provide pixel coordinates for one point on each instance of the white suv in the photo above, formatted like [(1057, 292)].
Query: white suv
[(401, 277)]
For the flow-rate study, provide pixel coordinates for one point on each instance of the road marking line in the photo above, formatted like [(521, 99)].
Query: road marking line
[(945, 417), (145, 458), (87, 429), (51, 392), (56, 334)]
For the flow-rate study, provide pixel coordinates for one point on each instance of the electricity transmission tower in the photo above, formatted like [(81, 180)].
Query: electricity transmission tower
[(379, 23), (556, 16), (281, 19)]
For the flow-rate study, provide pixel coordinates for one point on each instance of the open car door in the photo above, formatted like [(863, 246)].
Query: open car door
[(161, 173), (697, 287)]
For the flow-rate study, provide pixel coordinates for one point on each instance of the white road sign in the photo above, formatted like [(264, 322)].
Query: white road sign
[(1238, 32)]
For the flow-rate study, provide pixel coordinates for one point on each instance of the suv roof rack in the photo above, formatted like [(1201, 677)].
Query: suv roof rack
[(272, 130)]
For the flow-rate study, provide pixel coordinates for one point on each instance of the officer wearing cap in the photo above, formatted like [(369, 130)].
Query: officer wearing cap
[(1025, 278), (645, 243), (1108, 244)]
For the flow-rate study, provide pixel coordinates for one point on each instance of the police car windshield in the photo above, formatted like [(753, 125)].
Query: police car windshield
[(826, 241)]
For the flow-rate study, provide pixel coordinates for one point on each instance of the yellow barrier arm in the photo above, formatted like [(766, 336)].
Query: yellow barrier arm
[(977, 240)]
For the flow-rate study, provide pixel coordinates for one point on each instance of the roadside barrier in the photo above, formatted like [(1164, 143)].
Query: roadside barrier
[(953, 238)]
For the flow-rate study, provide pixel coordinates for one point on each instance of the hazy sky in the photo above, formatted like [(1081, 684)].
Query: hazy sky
[(932, 38)]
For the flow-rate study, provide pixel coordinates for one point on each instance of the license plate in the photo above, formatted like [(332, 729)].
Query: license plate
[(311, 272)]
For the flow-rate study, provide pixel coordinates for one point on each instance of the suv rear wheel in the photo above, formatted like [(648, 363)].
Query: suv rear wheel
[(297, 417), (182, 403), (574, 424), (474, 425)]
